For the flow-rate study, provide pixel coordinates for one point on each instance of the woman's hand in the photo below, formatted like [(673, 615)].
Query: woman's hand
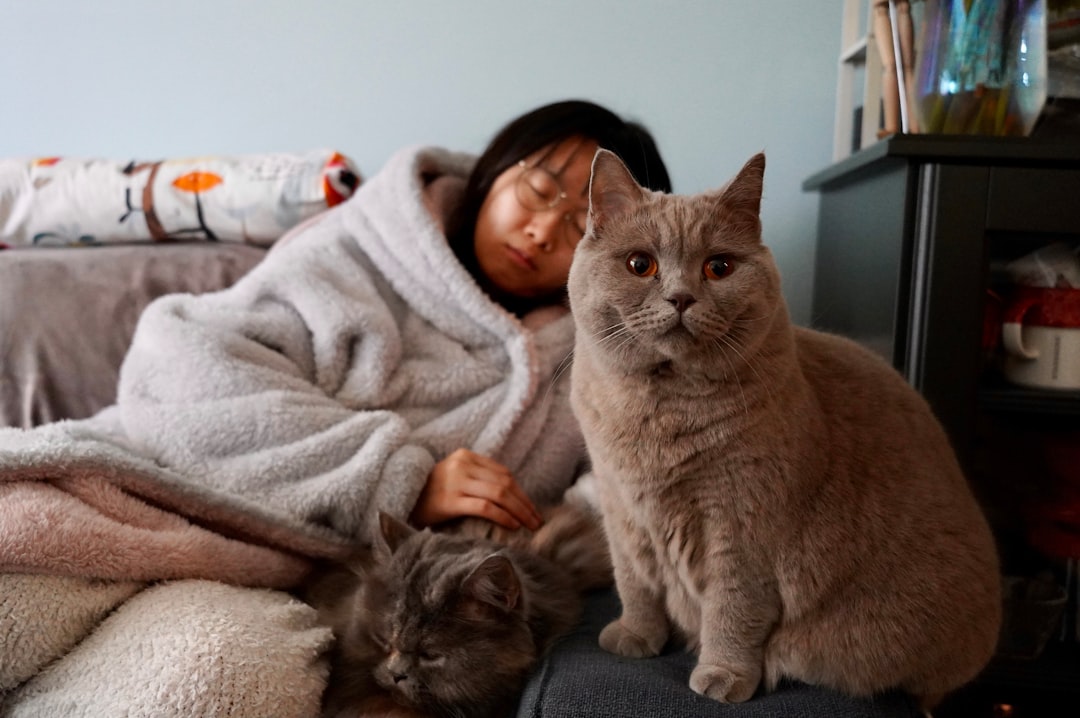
[(468, 484)]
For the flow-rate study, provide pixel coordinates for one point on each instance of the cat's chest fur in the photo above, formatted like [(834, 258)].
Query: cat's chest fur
[(669, 442), (668, 454), (642, 428)]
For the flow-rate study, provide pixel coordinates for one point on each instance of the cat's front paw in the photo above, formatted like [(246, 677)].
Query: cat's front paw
[(722, 683), (620, 640)]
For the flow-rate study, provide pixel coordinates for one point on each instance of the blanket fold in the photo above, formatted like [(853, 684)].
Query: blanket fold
[(76, 501), (86, 526)]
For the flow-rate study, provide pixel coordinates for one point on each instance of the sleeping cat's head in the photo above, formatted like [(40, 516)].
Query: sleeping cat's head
[(445, 615), (666, 282)]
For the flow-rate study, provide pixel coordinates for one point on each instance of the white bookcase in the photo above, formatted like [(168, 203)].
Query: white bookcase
[(860, 74), (860, 64)]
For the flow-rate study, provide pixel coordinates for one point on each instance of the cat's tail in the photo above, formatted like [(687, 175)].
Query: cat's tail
[(573, 538)]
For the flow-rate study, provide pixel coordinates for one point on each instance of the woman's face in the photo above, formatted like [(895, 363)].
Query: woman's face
[(527, 252)]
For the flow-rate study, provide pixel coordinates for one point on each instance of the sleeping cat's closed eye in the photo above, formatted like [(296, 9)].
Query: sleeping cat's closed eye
[(431, 660), (380, 641)]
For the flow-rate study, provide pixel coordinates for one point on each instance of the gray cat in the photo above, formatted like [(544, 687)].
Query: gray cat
[(777, 497), (449, 624)]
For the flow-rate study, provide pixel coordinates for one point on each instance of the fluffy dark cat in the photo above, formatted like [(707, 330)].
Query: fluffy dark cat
[(449, 623), (778, 497)]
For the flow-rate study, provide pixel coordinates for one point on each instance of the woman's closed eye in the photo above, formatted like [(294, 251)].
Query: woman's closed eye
[(545, 192), (538, 189)]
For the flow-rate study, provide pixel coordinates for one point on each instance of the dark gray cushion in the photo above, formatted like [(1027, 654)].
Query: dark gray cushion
[(578, 678)]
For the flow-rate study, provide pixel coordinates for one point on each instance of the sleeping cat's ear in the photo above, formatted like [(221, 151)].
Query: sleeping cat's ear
[(494, 582), (393, 531), (612, 189)]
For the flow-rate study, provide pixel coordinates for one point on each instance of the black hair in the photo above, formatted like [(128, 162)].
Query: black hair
[(544, 126)]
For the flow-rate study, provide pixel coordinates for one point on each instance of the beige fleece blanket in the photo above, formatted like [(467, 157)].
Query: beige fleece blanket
[(76, 648)]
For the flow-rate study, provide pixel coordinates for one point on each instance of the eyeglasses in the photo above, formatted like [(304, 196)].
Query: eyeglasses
[(538, 190)]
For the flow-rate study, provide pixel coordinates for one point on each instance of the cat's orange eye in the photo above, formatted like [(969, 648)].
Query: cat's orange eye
[(717, 268), (641, 264)]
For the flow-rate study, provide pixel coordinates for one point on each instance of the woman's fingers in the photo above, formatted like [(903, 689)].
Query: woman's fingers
[(496, 484), (469, 484), (505, 499), (472, 506)]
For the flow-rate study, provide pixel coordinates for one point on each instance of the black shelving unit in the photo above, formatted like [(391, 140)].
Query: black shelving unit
[(911, 233), (1020, 688), (997, 396)]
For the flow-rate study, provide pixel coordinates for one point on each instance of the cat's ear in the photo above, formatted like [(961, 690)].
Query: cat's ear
[(743, 193), (393, 531), (494, 582), (613, 191)]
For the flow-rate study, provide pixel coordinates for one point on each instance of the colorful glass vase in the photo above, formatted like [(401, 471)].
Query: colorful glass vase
[(981, 66)]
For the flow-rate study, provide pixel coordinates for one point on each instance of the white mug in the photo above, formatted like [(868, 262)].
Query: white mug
[(1041, 336)]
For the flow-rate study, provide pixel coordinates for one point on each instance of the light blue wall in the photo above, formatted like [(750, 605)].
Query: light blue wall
[(716, 81)]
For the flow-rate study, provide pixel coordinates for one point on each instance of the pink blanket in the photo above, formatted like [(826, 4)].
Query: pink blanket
[(74, 501), (89, 527)]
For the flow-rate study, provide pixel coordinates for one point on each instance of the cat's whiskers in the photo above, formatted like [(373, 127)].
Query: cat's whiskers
[(452, 711), (738, 330), (622, 333), (612, 332), (733, 344), (753, 319), (720, 343), (564, 364), (627, 338)]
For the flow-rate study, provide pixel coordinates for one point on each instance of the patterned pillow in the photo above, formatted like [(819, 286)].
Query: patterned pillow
[(251, 198)]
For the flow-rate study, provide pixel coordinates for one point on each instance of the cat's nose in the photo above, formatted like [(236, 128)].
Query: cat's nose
[(682, 301), (398, 677)]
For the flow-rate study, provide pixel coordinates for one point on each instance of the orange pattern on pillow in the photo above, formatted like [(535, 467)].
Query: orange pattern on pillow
[(251, 198)]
